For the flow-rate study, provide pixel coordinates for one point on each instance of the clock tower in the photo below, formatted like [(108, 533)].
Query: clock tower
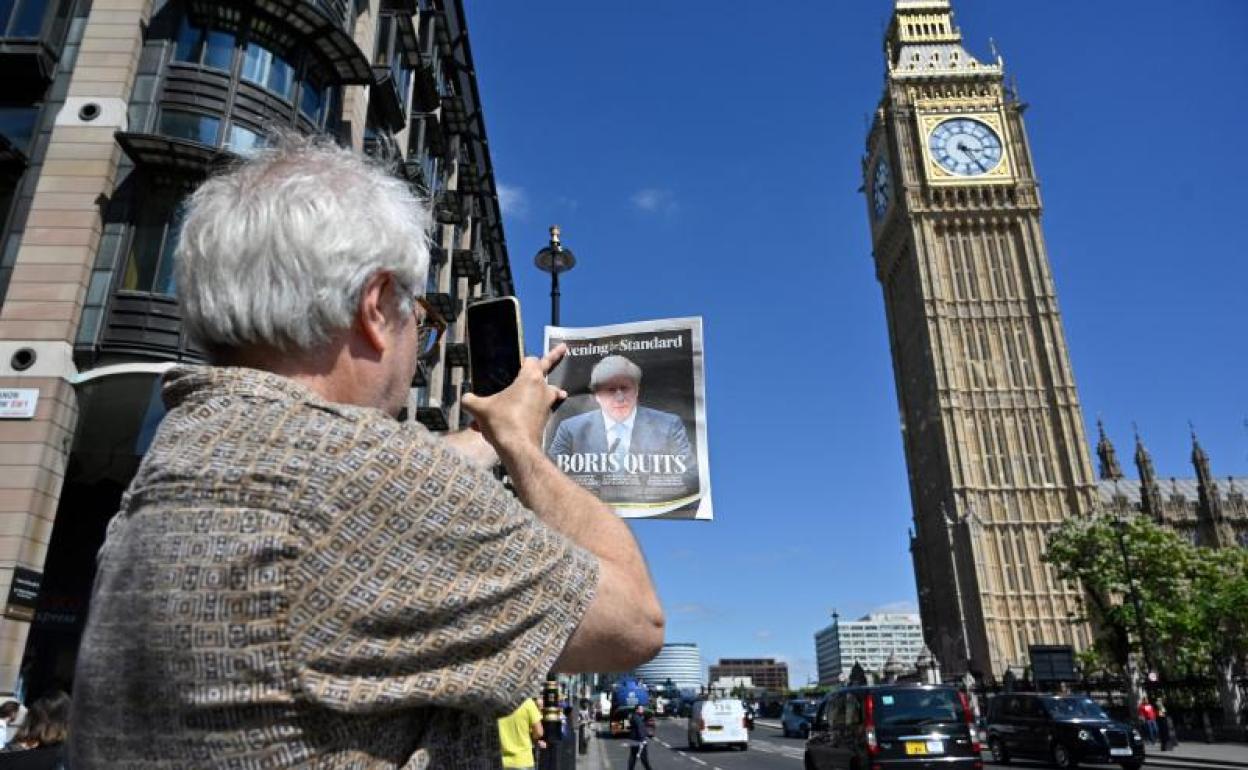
[(990, 417)]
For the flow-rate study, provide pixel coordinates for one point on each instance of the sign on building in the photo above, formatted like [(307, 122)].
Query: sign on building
[(18, 403)]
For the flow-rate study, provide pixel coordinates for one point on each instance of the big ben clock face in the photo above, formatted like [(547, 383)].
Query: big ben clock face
[(965, 147), (881, 188)]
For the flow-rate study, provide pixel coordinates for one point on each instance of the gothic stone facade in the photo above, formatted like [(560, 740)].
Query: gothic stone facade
[(991, 422), (1205, 511)]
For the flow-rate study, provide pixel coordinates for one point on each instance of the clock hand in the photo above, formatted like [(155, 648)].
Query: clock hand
[(973, 156)]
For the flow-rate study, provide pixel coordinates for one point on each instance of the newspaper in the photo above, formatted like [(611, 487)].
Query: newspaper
[(633, 429)]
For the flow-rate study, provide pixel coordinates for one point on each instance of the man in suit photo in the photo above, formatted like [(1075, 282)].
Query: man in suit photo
[(657, 440)]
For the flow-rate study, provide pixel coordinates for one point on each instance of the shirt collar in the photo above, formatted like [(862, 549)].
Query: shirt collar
[(190, 384), (627, 422)]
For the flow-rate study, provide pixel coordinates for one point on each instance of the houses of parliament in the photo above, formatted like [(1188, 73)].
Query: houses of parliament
[(992, 426)]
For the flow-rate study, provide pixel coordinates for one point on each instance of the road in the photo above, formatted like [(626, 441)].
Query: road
[(670, 751)]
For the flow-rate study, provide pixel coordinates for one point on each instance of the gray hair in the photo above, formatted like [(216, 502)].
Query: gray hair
[(611, 367), (275, 251)]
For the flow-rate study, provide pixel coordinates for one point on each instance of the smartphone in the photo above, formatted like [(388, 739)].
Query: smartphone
[(495, 344)]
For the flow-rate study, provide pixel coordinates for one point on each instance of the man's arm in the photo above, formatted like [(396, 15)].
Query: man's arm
[(624, 624)]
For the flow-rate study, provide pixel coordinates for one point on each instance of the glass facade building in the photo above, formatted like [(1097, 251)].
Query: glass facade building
[(111, 114)]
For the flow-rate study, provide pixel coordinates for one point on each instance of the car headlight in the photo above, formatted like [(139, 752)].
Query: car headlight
[(1084, 735), (1135, 736)]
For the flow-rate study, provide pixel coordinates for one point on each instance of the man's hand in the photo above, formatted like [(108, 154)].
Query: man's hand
[(472, 446), (517, 415)]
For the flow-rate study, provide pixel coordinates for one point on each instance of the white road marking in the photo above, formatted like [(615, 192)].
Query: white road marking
[(699, 761)]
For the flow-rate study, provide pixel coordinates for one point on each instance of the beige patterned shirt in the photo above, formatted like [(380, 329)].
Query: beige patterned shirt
[(297, 583)]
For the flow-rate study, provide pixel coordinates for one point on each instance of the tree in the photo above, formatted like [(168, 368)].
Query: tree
[(1163, 567), (1194, 600), (1221, 599)]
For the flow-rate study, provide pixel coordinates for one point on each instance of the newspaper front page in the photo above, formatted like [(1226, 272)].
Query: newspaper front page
[(633, 429)]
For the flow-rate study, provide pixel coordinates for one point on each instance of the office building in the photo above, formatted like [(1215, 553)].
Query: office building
[(766, 673), (681, 662), (113, 111), (868, 642)]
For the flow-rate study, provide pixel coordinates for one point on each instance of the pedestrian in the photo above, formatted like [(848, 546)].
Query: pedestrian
[(584, 721), (40, 742), (519, 733), (1165, 727), (639, 739), (1148, 718), (9, 712), (298, 579)]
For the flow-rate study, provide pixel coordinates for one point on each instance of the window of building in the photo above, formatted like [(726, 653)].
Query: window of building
[(190, 125), (22, 18), (287, 75), (392, 54), (206, 47), (17, 124), (242, 140), (268, 70), (315, 100), (150, 262)]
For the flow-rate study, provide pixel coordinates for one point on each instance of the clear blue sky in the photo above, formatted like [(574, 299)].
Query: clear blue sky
[(703, 159)]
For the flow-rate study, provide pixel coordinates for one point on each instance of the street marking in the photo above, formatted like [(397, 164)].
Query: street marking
[(666, 744), (699, 761)]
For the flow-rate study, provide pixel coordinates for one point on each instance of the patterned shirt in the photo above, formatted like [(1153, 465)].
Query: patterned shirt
[(292, 582)]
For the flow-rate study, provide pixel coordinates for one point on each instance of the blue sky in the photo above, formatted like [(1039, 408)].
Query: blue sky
[(703, 159)]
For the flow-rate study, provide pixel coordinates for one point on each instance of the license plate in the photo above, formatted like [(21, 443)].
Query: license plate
[(1120, 752), (915, 748)]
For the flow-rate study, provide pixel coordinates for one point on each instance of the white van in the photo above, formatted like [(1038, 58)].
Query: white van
[(719, 722)]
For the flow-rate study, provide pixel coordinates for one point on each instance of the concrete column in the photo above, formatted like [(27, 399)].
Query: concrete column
[(45, 297)]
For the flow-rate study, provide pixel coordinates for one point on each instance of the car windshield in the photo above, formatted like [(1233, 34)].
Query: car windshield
[(1074, 708), (917, 707)]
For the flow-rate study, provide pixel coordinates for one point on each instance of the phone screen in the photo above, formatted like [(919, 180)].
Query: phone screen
[(495, 350)]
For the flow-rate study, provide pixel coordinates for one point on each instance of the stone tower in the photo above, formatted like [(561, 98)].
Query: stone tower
[(990, 417)]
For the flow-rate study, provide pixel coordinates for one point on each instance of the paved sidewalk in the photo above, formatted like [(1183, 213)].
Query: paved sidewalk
[(596, 759), (1198, 753)]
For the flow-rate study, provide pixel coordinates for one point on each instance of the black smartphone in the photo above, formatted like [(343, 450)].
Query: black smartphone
[(495, 344)]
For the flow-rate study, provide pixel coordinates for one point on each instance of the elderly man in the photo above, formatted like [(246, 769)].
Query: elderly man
[(620, 427), (296, 579)]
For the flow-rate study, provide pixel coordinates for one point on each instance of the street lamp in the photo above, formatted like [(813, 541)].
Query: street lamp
[(1120, 527), (554, 259)]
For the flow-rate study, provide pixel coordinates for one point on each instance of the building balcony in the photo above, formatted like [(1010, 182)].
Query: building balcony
[(28, 56), (457, 354), (445, 304), (433, 417), (449, 208), (320, 27), (466, 264)]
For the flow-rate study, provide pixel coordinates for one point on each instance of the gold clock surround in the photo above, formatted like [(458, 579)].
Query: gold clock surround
[(937, 175)]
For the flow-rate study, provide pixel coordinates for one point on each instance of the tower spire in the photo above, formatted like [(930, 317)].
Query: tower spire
[(1150, 493), (1106, 454), (1209, 506)]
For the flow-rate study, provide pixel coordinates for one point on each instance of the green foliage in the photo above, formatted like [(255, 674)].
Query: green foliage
[(1195, 600)]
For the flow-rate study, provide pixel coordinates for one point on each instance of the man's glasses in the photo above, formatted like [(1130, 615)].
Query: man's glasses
[(431, 328)]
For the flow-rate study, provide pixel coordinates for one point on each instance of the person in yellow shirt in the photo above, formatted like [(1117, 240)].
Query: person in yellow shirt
[(517, 732)]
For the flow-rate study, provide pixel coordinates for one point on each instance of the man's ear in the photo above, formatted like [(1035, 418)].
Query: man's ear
[(370, 314)]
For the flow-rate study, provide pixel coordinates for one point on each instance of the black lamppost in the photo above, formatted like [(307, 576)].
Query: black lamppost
[(1120, 526), (554, 259)]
